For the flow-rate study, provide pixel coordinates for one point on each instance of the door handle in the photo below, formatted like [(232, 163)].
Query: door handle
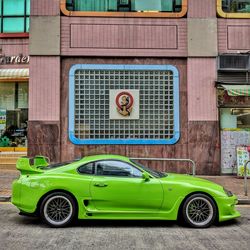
[(98, 184)]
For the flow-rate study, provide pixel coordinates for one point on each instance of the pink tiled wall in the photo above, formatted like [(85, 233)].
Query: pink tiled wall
[(14, 47), (233, 35), (123, 37), (44, 88), (201, 74), (45, 7), (202, 8)]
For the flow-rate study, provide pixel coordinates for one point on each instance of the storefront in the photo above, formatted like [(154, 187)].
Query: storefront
[(233, 98), (14, 75), (13, 109)]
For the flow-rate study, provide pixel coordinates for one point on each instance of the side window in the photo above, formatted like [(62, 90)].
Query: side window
[(116, 168), (87, 169)]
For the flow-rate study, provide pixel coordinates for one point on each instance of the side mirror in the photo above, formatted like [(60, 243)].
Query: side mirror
[(145, 176)]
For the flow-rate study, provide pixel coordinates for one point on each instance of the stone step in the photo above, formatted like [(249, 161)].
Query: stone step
[(8, 159), (10, 166)]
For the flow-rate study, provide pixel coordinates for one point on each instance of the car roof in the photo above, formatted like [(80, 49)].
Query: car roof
[(105, 157)]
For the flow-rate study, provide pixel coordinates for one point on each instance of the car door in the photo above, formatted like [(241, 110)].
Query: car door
[(119, 186)]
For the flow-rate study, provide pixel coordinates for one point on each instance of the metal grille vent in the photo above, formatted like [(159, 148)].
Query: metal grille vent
[(234, 77), (233, 62), (92, 104)]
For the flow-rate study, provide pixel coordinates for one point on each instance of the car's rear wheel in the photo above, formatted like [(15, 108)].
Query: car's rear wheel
[(58, 209), (199, 211)]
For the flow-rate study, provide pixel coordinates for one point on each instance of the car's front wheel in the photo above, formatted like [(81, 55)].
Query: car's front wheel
[(58, 209), (199, 211)]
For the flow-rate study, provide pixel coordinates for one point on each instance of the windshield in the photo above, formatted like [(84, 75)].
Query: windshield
[(155, 173)]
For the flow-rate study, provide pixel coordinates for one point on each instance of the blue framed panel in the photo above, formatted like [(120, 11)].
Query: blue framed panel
[(71, 123)]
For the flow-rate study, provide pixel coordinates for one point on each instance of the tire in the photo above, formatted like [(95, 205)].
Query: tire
[(58, 209), (199, 211)]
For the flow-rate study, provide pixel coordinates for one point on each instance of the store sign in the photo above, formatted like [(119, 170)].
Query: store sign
[(2, 119), (14, 59), (124, 104)]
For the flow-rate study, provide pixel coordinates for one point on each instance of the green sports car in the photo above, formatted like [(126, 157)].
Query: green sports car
[(116, 187)]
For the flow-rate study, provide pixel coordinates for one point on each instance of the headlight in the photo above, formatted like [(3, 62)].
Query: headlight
[(228, 193)]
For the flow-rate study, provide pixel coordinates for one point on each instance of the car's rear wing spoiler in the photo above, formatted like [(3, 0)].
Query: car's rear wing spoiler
[(33, 165)]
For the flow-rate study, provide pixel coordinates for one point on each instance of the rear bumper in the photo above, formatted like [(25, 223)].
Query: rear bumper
[(226, 206), (16, 193), (24, 197)]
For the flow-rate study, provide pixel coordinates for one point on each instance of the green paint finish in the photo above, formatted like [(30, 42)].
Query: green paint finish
[(106, 196)]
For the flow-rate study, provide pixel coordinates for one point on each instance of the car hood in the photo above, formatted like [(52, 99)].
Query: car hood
[(188, 179)]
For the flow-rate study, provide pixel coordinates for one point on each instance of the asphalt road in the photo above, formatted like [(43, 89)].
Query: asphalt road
[(19, 232)]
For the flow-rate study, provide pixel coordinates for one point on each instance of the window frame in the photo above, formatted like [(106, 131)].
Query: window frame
[(14, 34), (93, 166), (180, 14), (107, 160), (223, 14), (119, 141)]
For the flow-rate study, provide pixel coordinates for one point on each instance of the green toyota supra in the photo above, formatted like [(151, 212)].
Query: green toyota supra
[(116, 187)]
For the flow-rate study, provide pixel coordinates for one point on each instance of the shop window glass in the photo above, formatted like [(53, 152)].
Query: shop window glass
[(235, 134), (14, 16), (235, 118), (242, 117), (7, 96), (23, 96), (117, 104), (13, 114)]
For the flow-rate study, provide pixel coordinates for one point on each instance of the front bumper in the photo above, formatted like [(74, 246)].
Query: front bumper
[(226, 207)]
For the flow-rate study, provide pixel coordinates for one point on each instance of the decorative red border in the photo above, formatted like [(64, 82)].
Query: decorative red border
[(124, 93), (14, 35)]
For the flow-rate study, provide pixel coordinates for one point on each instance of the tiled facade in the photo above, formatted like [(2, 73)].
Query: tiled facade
[(191, 43)]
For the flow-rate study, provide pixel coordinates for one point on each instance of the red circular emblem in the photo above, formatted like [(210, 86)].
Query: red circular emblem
[(125, 96)]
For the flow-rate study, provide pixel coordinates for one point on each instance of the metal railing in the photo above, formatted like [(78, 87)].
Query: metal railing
[(168, 159), (245, 178)]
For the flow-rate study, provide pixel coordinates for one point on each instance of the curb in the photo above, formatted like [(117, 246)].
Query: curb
[(243, 202), (5, 198)]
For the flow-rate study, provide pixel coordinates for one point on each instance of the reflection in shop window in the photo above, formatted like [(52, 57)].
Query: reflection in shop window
[(236, 6), (235, 118), (242, 117), (13, 114), (14, 16)]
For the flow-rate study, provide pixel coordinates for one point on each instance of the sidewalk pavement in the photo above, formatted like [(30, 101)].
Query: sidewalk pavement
[(232, 183)]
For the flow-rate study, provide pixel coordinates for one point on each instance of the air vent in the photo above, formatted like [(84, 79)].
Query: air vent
[(233, 62)]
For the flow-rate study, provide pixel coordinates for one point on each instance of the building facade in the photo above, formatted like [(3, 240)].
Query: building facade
[(138, 78), (14, 76)]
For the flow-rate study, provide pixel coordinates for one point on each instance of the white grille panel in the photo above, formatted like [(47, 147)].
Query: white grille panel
[(92, 104)]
